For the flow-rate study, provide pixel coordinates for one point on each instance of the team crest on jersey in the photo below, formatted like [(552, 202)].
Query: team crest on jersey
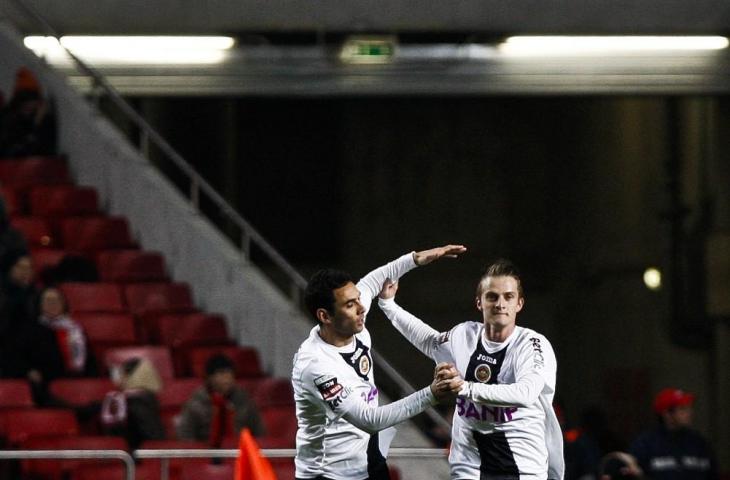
[(364, 365), (327, 386), (483, 373)]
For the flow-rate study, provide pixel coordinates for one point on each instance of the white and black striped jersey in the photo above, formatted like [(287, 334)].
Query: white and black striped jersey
[(337, 400), (504, 425)]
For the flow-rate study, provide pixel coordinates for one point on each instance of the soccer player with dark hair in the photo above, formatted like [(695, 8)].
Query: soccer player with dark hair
[(334, 388)]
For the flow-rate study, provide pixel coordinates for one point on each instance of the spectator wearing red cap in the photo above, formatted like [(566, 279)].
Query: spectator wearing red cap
[(672, 450)]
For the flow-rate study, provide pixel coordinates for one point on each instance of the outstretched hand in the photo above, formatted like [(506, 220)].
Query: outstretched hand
[(424, 257), (389, 290)]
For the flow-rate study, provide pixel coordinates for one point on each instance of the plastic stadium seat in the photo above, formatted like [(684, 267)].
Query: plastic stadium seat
[(245, 360), (176, 464), (208, 471), (91, 471), (185, 329), (59, 469), (20, 425), (94, 297), (81, 391), (37, 231), (274, 392), (159, 356), (33, 171), (284, 468), (15, 394), (45, 258), (145, 298), (14, 204), (96, 233), (176, 392), (108, 328), (281, 423), (131, 266), (63, 201)]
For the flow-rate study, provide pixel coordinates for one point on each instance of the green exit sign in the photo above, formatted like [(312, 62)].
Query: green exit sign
[(368, 49)]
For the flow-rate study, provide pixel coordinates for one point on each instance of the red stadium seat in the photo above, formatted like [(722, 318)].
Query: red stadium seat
[(37, 231), (45, 258), (284, 468), (208, 471), (29, 171), (15, 394), (186, 329), (94, 297), (14, 200), (274, 392), (63, 201), (91, 471), (245, 360), (130, 266), (96, 233), (59, 469), (20, 425), (176, 464), (81, 391), (108, 328), (144, 298), (281, 423), (159, 356), (176, 392)]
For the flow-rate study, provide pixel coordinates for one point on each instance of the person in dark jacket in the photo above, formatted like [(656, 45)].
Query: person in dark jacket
[(134, 411), (17, 311), (220, 408), (673, 450)]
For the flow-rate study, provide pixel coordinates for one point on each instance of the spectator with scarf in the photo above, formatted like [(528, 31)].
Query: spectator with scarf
[(133, 411), (220, 408)]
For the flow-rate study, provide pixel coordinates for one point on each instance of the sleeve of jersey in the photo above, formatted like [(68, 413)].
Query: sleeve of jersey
[(431, 342), (530, 382), (371, 284), (373, 419)]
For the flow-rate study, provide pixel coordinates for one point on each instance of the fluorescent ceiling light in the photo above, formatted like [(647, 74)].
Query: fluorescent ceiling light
[(135, 49), (575, 45)]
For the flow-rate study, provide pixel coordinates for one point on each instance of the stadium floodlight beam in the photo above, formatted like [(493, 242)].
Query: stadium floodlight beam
[(134, 49), (588, 45)]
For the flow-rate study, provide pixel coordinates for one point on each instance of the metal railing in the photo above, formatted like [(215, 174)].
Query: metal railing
[(121, 455), (249, 235)]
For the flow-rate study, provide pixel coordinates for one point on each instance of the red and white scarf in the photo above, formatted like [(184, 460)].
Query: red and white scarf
[(71, 341)]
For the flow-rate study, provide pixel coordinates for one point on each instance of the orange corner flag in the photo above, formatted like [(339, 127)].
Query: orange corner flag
[(250, 464)]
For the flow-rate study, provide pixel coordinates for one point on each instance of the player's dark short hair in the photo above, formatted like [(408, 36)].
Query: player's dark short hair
[(501, 268), (217, 363), (320, 289)]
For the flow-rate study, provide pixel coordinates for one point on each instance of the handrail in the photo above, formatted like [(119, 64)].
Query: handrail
[(125, 457), (198, 183)]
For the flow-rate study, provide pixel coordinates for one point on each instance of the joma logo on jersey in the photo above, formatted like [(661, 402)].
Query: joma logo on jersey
[(355, 355), (484, 413), (485, 358)]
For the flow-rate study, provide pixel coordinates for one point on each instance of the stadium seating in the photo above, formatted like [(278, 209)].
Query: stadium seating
[(274, 392), (108, 329), (186, 329), (245, 360), (57, 469), (176, 465), (94, 297), (45, 258), (95, 233), (29, 171), (91, 471), (172, 397), (159, 298), (159, 356), (131, 266), (14, 201), (63, 201), (15, 394), (208, 471), (36, 230), (81, 391), (281, 423), (21, 425)]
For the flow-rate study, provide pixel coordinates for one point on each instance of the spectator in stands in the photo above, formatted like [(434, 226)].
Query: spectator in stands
[(55, 346), (27, 123), (672, 450), (586, 445), (134, 411), (17, 310), (11, 240), (219, 408), (619, 465)]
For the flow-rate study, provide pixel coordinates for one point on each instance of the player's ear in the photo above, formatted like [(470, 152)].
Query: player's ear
[(323, 316), (520, 303), (479, 303)]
